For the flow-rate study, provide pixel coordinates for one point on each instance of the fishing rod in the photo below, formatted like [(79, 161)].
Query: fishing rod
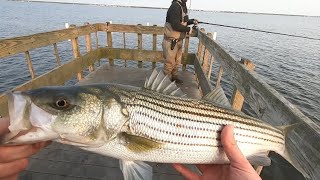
[(257, 30)]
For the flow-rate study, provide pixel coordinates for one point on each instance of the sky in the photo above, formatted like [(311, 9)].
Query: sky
[(296, 7)]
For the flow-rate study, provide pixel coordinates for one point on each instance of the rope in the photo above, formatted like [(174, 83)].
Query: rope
[(257, 30)]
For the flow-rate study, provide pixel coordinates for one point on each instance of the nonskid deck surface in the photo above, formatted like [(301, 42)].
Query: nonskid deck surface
[(65, 162), (136, 77), (70, 163)]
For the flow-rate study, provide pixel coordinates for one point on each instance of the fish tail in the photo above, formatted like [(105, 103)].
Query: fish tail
[(288, 154)]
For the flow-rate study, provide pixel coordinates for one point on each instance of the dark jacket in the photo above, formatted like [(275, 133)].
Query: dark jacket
[(174, 17)]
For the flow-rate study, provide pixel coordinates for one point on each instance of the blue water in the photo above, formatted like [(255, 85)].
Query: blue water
[(290, 65)]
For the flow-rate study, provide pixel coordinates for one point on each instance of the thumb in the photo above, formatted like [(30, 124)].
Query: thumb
[(231, 148)]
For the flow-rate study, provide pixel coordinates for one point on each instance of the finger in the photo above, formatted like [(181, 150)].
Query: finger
[(12, 153), (202, 167), (41, 145), (13, 177), (12, 168), (4, 124), (230, 146), (186, 172)]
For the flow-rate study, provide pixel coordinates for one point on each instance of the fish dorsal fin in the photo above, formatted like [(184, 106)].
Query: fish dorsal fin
[(135, 170), (151, 78), (157, 82), (218, 97), (161, 83)]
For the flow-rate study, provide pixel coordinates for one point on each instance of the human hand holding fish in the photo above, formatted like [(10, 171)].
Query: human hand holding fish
[(239, 167), (13, 159)]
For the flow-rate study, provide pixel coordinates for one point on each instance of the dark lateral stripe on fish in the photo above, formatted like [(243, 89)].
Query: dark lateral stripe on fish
[(183, 144), (244, 121), (143, 95), (173, 134), (215, 109), (212, 116), (176, 125), (177, 143), (183, 103), (190, 103), (194, 144), (208, 116), (194, 137), (201, 129)]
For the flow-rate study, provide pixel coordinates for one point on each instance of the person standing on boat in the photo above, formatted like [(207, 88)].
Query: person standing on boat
[(176, 29)]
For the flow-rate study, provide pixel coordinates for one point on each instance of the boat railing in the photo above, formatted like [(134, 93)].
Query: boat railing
[(94, 53), (268, 105), (249, 88)]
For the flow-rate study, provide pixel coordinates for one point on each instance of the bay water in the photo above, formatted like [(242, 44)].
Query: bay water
[(290, 65)]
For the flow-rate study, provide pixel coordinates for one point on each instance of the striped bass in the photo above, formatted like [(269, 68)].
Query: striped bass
[(156, 123)]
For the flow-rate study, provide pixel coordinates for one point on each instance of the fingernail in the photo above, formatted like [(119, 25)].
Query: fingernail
[(233, 137)]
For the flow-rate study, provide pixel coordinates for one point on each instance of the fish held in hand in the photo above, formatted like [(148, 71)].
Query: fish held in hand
[(156, 123)]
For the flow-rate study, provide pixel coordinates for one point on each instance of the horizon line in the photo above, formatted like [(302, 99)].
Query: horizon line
[(150, 7)]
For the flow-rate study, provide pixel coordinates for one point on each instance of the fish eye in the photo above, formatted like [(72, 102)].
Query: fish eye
[(62, 103)]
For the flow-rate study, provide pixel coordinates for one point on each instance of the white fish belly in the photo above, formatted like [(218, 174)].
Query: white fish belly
[(165, 154), (170, 153)]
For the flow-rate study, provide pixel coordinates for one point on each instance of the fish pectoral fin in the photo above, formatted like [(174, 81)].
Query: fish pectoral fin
[(135, 170), (139, 144), (260, 159)]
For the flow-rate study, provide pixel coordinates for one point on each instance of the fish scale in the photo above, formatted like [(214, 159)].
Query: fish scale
[(209, 110), (153, 116), (192, 129), (145, 104)]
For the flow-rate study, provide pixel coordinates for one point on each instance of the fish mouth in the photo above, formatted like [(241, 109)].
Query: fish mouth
[(28, 122), (30, 136)]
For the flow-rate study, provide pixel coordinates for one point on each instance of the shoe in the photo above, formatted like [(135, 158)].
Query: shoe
[(177, 80)]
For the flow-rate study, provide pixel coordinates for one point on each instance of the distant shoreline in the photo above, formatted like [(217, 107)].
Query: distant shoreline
[(144, 7)]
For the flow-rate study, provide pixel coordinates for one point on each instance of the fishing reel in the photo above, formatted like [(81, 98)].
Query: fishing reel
[(194, 32)]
